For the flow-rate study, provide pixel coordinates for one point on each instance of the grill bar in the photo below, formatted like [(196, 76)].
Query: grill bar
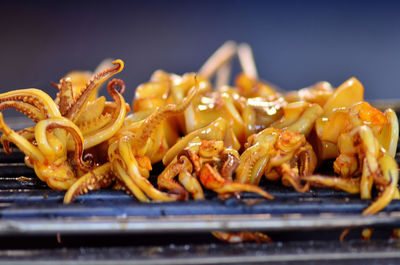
[(354, 252), (193, 224), (230, 207)]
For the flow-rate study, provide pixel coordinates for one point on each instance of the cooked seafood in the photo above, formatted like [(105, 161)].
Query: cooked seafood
[(217, 137), (277, 154)]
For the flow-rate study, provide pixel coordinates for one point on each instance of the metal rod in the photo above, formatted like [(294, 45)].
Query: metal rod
[(190, 224)]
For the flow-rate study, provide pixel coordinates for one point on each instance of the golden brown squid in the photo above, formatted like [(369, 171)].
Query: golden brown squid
[(208, 164), (45, 144), (231, 136), (131, 153), (212, 165), (49, 156), (363, 157), (278, 155), (97, 119)]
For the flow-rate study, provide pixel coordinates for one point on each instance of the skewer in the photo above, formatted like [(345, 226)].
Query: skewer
[(223, 75), (246, 60), (221, 56)]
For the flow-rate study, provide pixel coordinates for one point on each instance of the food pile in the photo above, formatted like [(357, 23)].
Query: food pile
[(217, 137)]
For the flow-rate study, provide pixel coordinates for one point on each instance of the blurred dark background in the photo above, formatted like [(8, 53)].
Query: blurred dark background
[(295, 43)]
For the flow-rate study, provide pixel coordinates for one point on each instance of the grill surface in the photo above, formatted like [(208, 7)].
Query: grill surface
[(26, 201), (33, 217)]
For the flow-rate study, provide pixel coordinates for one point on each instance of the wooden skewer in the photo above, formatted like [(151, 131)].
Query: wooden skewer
[(246, 60), (248, 65), (224, 54), (223, 75)]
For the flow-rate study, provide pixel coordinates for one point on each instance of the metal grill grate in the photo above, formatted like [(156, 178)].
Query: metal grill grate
[(28, 206), (30, 211)]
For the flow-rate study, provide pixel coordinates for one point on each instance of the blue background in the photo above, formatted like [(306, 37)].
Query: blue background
[(295, 43)]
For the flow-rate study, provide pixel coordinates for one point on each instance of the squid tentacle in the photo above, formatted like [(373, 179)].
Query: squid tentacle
[(252, 164), (240, 237), (23, 144), (27, 133), (95, 124), (79, 105), (39, 100), (127, 180), (390, 134), (191, 184), (166, 179), (97, 178), (114, 124), (27, 109), (290, 177), (131, 166), (65, 96), (229, 166), (390, 171), (350, 185), (123, 180), (211, 179), (41, 137), (151, 123), (370, 163)]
